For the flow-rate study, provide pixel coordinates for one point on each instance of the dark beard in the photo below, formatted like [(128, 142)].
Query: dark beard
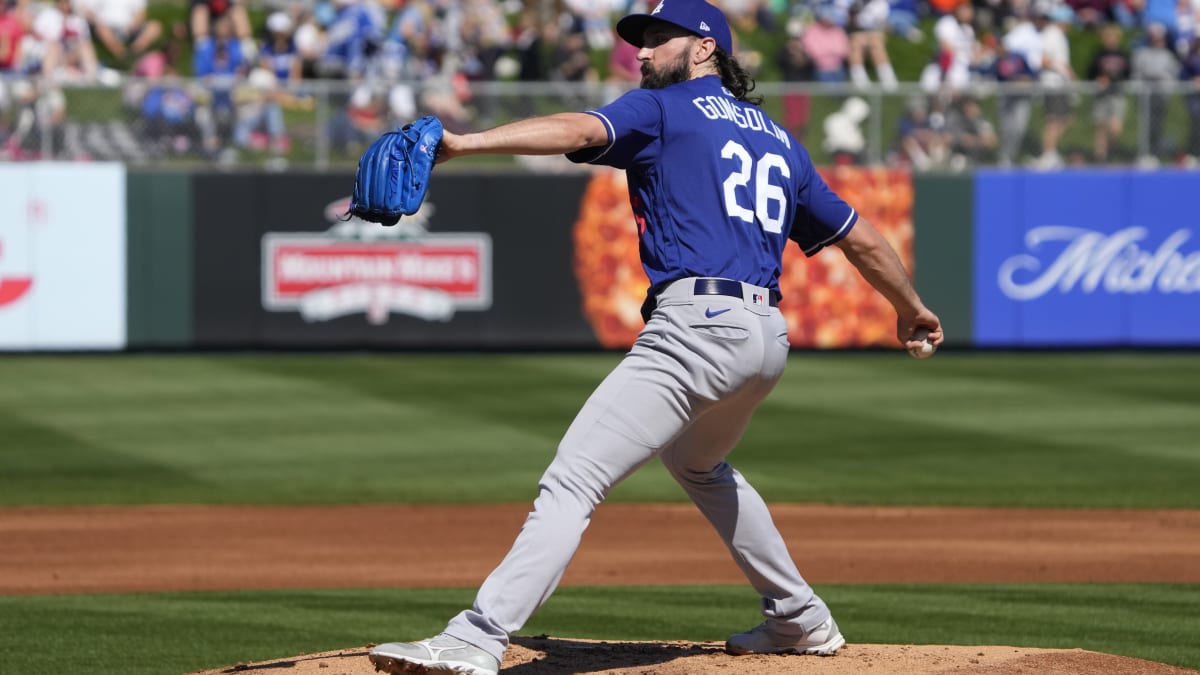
[(673, 74)]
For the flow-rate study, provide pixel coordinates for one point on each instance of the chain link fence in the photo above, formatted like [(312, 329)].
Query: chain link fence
[(247, 124)]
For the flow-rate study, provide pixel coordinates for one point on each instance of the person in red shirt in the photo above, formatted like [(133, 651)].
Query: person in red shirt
[(14, 23)]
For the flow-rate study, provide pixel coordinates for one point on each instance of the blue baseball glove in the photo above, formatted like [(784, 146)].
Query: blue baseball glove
[(393, 174)]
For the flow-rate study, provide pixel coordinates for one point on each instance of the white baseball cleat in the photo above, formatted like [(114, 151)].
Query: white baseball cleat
[(439, 654), (824, 640)]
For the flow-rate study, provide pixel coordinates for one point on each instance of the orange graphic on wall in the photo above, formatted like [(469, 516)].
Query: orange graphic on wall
[(826, 303)]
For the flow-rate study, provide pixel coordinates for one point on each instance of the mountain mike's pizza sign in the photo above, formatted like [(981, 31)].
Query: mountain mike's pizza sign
[(353, 269)]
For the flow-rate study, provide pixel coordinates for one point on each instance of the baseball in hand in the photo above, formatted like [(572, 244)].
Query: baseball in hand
[(926, 349)]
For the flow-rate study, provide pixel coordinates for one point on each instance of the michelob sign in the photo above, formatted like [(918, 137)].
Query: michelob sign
[(1087, 258)]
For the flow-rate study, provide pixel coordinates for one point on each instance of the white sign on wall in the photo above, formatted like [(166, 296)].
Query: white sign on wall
[(62, 256)]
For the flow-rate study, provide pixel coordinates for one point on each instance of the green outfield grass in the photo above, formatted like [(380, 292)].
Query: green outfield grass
[(1045, 429), (172, 633)]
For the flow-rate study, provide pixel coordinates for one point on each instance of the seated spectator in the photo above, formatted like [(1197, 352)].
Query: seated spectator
[(1110, 66), (310, 40), (69, 55), (413, 45), (485, 39), (269, 89), (827, 45), (165, 109), (956, 52), (38, 51), (922, 138), (1163, 13), (903, 19), (220, 65), (868, 38), (530, 42), (353, 39), (260, 124), (972, 137), (204, 13), (1020, 55), (279, 54), (122, 28), (570, 61), (219, 60), (14, 23)]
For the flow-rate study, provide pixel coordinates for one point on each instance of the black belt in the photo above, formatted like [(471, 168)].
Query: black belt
[(707, 286), (726, 287)]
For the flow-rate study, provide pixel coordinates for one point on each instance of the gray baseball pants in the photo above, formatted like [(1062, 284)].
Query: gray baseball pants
[(684, 393)]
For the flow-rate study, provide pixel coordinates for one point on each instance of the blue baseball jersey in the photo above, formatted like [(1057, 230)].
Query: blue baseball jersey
[(717, 187)]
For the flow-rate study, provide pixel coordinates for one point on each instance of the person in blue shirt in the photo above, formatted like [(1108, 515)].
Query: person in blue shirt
[(717, 189), (279, 53), (354, 37), (220, 64)]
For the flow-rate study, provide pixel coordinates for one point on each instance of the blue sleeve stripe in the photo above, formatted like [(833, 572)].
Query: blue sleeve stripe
[(612, 135), (850, 220)]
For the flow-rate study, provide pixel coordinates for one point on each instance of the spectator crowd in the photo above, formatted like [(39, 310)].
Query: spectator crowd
[(220, 78)]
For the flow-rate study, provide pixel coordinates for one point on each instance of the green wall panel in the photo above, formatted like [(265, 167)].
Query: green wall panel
[(160, 219), (944, 222)]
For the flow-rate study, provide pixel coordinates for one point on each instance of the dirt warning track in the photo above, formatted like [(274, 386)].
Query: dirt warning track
[(175, 548)]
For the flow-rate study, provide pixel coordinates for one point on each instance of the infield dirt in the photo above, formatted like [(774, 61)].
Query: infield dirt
[(174, 548)]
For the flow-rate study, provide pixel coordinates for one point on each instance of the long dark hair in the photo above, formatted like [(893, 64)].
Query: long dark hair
[(735, 78)]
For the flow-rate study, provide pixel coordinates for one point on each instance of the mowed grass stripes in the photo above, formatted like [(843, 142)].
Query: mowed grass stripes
[(1045, 429), (172, 633)]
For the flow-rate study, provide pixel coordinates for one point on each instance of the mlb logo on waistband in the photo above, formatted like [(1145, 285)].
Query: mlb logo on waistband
[(757, 298)]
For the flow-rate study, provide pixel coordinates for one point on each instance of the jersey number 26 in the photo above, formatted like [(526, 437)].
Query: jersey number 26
[(765, 192)]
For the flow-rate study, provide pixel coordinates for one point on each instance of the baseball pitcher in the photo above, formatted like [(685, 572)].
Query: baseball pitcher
[(717, 189)]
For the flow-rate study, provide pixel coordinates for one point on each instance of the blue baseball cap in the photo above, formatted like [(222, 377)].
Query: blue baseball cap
[(695, 16)]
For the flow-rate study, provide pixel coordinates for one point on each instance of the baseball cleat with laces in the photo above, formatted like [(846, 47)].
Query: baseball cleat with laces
[(439, 654), (824, 640)]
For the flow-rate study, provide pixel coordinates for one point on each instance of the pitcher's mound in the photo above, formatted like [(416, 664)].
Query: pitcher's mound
[(558, 656)]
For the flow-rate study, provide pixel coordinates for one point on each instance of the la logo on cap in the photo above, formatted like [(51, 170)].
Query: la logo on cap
[(658, 8)]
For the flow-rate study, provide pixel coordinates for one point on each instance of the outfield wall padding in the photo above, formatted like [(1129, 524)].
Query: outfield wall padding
[(943, 234), (159, 231), (1009, 259)]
